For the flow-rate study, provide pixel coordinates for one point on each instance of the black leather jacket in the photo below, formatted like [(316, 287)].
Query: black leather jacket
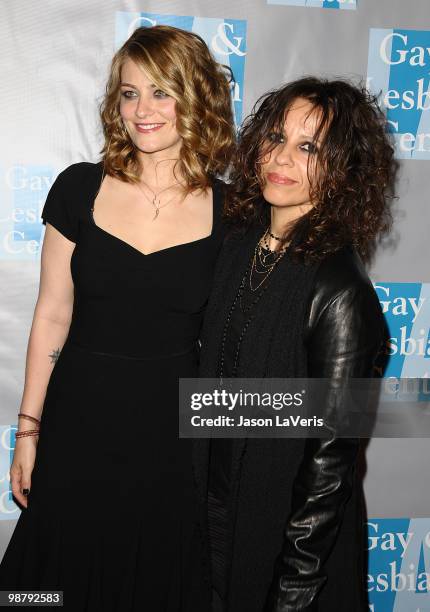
[(344, 331)]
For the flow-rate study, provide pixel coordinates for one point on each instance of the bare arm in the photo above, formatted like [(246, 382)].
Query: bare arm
[(49, 330)]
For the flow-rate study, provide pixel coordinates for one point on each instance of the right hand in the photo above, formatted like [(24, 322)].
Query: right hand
[(22, 467)]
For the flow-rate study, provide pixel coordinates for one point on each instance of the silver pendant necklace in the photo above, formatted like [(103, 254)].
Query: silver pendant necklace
[(156, 202)]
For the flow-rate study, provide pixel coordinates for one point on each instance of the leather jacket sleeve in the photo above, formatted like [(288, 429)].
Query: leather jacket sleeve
[(344, 335)]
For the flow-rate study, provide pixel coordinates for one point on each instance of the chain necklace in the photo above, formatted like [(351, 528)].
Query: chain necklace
[(259, 263), (156, 202), (227, 325), (249, 309)]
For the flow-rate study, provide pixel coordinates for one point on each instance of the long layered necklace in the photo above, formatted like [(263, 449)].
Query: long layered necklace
[(264, 261), (156, 202), (259, 265)]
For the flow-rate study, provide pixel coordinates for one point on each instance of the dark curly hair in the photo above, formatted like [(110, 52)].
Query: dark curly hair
[(351, 198)]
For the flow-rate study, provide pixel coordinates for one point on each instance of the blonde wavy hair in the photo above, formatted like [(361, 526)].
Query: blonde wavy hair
[(179, 63)]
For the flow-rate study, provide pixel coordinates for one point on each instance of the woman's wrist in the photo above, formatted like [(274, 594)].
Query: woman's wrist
[(33, 440)]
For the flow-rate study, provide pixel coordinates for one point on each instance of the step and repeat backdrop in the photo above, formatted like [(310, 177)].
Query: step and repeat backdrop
[(54, 62)]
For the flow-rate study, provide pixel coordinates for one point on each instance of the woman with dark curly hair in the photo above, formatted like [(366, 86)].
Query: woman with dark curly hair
[(291, 299), (126, 268)]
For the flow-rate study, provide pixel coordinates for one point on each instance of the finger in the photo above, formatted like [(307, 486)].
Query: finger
[(26, 485), (16, 478)]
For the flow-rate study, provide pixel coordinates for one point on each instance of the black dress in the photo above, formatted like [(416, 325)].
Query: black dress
[(111, 511)]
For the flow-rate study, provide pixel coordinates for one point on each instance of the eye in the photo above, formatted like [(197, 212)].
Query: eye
[(128, 93), (309, 147), (276, 137), (159, 93)]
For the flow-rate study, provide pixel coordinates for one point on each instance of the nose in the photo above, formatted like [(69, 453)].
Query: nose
[(283, 155), (144, 107)]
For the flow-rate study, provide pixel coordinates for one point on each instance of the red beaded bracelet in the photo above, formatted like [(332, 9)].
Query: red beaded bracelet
[(29, 417), (29, 432)]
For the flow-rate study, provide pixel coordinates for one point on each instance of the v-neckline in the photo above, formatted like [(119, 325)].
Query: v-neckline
[(135, 249)]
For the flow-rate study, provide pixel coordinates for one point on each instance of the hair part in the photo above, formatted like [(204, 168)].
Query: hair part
[(179, 63)]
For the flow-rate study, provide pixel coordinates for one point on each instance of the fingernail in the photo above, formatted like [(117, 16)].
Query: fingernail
[(26, 491)]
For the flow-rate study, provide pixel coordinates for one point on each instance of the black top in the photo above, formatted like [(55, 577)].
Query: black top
[(105, 268), (221, 448)]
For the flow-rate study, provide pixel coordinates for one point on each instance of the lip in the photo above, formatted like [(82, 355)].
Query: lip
[(140, 127), (280, 179)]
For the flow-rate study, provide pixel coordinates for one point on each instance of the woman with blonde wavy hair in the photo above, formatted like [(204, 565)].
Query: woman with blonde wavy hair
[(127, 261)]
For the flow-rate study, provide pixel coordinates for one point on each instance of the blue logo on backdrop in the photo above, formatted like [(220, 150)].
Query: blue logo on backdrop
[(398, 69), (406, 307), (226, 38), (399, 564), (8, 509), (23, 190), (331, 4)]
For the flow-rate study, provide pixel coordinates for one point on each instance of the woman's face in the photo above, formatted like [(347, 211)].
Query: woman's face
[(285, 168), (148, 113)]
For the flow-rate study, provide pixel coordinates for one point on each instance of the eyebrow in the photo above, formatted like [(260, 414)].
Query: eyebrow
[(303, 135), (134, 86)]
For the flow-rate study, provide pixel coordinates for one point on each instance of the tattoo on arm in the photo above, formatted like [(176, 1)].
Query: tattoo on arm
[(54, 355)]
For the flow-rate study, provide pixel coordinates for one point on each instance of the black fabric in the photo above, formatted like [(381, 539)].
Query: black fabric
[(63, 206), (221, 448), (248, 565), (269, 478), (218, 521), (111, 518)]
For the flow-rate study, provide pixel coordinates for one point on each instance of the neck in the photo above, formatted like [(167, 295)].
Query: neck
[(282, 216), (159, 169)]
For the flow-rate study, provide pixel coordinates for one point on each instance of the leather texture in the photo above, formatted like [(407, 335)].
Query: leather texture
[(343, 332)]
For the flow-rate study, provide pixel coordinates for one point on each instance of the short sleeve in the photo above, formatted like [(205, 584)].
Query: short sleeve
[(60, 209)]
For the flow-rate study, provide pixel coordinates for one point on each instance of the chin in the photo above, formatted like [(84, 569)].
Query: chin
[(147, 147), (274, 197)]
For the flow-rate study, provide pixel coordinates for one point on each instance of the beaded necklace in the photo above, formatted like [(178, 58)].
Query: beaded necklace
[(262, 262)]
